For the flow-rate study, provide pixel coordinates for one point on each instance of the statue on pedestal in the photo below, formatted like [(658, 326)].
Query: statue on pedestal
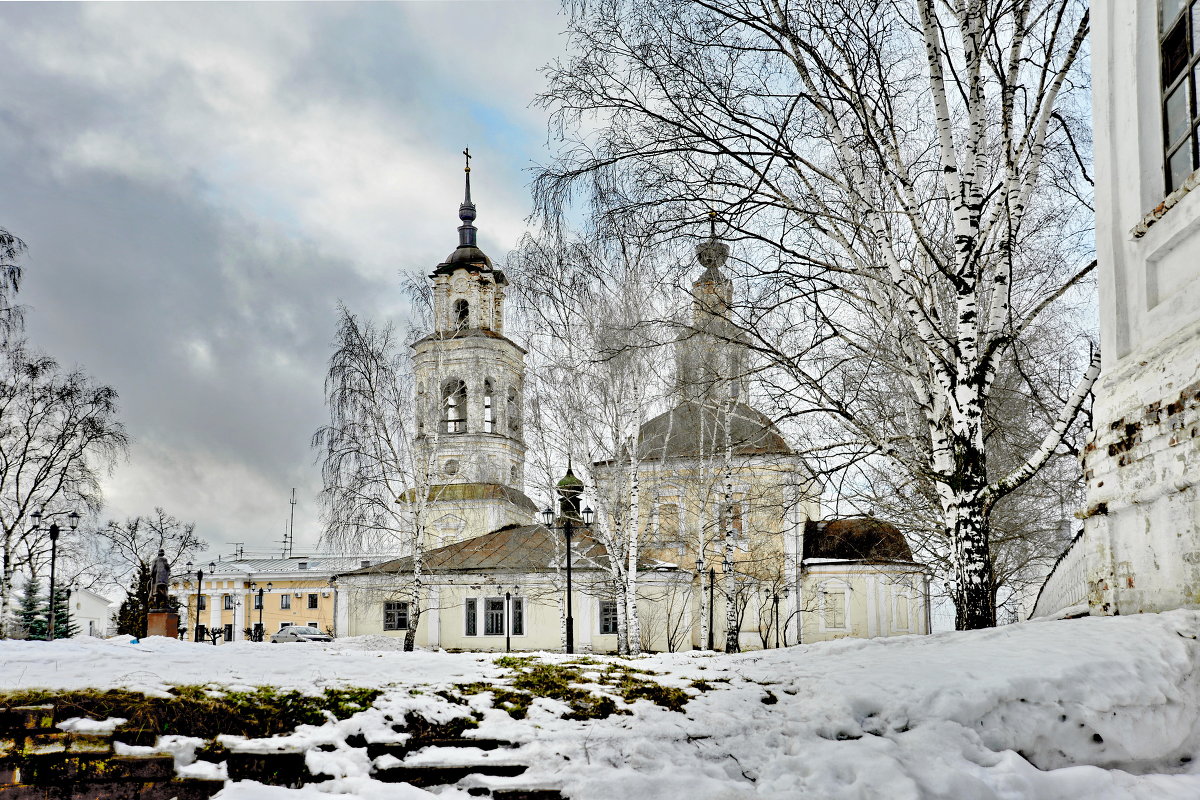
[(160, 576)]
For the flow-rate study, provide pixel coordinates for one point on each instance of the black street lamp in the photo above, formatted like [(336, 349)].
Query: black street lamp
[(569, 490), (196, 626), (54, 532), (775, 594), (258, 601)]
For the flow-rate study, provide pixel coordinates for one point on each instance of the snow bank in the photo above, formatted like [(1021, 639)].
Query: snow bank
[(1088, 708)]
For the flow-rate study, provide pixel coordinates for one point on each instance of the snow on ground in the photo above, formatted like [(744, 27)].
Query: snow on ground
[(1089, 708)]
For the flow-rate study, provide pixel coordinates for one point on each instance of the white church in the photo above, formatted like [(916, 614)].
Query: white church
[(730, 504)]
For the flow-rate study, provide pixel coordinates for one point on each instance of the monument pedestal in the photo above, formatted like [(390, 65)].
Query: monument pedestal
[(162, 623)]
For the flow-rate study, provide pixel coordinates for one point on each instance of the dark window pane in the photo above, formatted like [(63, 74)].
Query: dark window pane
[(395, 616), (472, 618), (1178, 114), (1174, 53), (518, 617), (493, 616), (608, 617), (1170, 8), (1179, 166)]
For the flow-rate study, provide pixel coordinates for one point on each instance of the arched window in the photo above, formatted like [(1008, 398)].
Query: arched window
[(462, 313), (454, 407), (489, 413), (513, 411)]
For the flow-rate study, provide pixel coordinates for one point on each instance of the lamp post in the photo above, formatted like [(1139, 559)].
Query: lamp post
[(258, 600), (569, 490), (199, 583), (333, 591), (54, 532), (712, 585), (775, 594)]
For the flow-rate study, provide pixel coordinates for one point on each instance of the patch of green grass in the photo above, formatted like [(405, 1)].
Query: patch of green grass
[(202, 711), (531, 678)]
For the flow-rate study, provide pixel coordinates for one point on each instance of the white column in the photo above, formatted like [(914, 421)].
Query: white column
[(239, 616), (435, 617)]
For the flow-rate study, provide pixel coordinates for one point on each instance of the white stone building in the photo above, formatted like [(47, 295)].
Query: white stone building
[(1142, 522), (91, 612)]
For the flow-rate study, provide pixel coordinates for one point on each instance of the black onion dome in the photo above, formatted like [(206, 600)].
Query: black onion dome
[(855, 539)]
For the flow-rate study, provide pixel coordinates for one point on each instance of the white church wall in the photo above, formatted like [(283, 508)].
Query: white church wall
[(1142, 528)]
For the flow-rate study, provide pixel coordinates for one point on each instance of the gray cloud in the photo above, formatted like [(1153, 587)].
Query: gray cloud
[(199, 184)]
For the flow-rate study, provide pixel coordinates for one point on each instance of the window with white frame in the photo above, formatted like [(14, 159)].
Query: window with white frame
[(285, 601), (834, 596), (493, 616), (666, 521), (395, 616), (1179, 48), (313, 600), (258, 601), (471, 623), (608, 617), (518, 616), (900, 616), (227, 602)]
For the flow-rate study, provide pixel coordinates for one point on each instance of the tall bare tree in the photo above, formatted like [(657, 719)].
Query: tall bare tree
[(376, 478), (906, 182), (58, 434), (593, 345)]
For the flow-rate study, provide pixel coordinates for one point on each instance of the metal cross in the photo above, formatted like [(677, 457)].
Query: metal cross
[(467, 153)]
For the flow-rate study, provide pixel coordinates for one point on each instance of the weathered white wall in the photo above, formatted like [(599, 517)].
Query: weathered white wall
[(1142, 528), (873, 596)]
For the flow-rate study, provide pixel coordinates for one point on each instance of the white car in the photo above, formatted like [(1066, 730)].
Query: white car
[(300, 633)]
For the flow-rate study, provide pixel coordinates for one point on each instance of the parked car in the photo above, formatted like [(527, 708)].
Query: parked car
[(300, 633)]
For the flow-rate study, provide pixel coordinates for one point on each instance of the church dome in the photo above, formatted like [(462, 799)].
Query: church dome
[(855, 539), (693, 429)]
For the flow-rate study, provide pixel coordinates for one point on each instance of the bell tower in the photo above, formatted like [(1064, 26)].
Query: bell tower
[(711, 357), (470, 394)]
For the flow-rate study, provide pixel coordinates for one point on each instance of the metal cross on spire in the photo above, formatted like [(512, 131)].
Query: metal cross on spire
[(712, 225), (467, 153)]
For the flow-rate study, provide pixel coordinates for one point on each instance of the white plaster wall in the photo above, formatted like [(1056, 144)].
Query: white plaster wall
[(1142, 528)]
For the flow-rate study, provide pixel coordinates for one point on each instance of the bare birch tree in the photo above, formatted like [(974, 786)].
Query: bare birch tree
[(376, 478), (591, 341), (906, 181), (58, 434)]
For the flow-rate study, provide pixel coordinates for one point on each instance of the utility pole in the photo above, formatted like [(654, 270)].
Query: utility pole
[(292, 524)]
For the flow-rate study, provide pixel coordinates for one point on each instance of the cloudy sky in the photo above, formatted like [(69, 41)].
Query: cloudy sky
[(200, 184)]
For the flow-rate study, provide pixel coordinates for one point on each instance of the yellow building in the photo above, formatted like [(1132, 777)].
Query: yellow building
[(240, 596)]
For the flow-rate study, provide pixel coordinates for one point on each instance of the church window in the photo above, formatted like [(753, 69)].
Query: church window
[(1179, 48), (666, 522), (608, 617), (285, 601), (493, 616), (489, 414), (901, 616), (833, 608), (454, 407), (395, 616), (462, 313), (227, 602), (513, 411), (472, 621)]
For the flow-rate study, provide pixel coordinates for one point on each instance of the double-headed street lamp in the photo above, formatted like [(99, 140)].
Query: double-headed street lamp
[(54, 531), (199, 583), (258, 601), (570, 488), (775, 593)]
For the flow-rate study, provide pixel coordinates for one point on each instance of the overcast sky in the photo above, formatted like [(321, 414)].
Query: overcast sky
[(199, 185)]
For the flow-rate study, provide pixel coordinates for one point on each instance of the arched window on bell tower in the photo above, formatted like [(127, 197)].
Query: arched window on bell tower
[(489, 411), (454, 407), (462, 313)]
